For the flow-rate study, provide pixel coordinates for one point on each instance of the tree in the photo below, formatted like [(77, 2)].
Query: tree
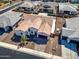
[(24, 40)]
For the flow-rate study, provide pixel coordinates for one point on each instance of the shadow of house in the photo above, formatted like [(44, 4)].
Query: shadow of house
[(42, 38), (1, 31), (16, 38), (9, 29), (68, 43), (71, 45)]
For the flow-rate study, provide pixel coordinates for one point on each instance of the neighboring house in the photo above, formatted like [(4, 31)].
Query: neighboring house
[(74, 1), (10, 19), (49, 7), (4, 22), (38, 6), (71, 29), (71, 1), (30, 6), (67, 9), (36, 26), (27, 6), (70, 38)]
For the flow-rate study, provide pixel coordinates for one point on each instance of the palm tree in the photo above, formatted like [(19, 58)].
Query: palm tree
[(24, 40)]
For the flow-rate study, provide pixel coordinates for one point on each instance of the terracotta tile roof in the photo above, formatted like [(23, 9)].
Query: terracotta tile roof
[(42, 24), (37, 22), (45, 28), (24, 25)]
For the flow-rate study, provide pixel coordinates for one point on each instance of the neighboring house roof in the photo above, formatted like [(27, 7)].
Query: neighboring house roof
[(75, 5), (72, 23), (50, 4), (27, 4), (13, 17), (72, 28), (37, 2), (4, 21), (66, 7), (75, 35), (67, 32)]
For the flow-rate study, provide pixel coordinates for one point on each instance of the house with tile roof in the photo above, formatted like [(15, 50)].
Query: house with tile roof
[(37, 26)]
